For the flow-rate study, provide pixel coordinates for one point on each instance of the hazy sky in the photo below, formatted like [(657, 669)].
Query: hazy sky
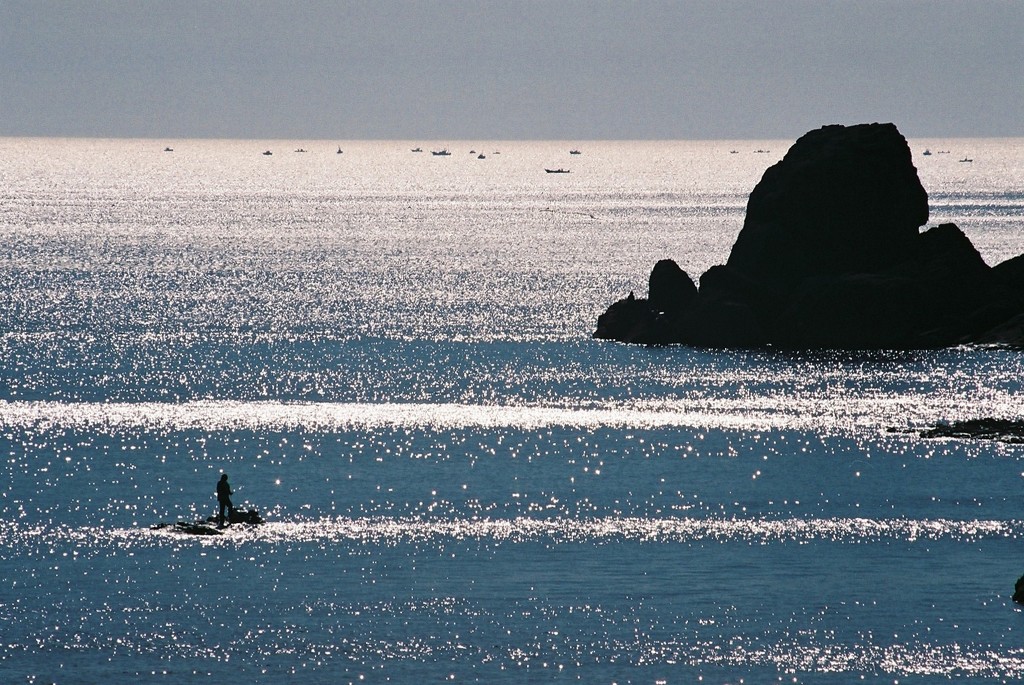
[(564, 69)]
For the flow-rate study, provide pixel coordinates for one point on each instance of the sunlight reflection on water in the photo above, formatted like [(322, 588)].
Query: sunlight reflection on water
[(559, 626), (391, 355), (748, 413), (378, 530)]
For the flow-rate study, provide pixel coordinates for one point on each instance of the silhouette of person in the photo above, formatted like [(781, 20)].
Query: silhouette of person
[(224, 499)]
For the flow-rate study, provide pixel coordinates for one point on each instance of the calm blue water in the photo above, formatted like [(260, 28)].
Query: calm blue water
[(389, 353)]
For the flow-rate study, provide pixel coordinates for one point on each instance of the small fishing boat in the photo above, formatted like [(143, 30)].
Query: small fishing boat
[(440, 153), (481, 156), (575, 152), (268, 153), (168, 149), (417, 149), (927, 152), (966, 159), (339, 149), (557, 171)]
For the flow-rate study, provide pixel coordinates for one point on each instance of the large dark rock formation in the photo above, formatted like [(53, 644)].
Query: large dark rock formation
[(831, 255)]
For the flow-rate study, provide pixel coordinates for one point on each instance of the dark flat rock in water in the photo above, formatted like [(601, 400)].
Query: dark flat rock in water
[(1003, 430), (186, 528), (249, 517), (832, 256)]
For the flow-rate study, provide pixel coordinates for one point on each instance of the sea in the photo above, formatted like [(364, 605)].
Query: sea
[(389, 352)]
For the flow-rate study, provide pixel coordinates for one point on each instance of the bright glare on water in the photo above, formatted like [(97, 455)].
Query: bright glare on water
[(389, 352)]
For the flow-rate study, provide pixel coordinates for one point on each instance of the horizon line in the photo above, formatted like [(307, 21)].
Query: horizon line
[(441, 141)]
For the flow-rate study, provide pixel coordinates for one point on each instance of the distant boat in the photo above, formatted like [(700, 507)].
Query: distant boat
[(268, 152), (734, 152), (300, 150), (966, 159), (168, 149), (440, 153), (339, 149), (927, 152), (417, 149), (761, 152), (557, 171), (481, 156), (575, 152)]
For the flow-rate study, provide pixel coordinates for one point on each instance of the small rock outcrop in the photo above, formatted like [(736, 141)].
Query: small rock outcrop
[(670, 289), (1002, 430), (187, 528), (209, 526), (249, 516), (831, 255)]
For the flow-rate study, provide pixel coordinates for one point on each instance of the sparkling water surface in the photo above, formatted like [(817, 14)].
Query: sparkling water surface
[(389, 353)]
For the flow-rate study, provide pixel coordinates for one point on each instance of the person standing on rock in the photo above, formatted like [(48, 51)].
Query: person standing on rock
[(224, 499)]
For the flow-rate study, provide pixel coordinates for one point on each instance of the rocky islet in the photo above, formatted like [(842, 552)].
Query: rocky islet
[(832, 256)]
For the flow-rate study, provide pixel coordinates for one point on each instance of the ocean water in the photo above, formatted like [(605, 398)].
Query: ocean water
[(389, 352)]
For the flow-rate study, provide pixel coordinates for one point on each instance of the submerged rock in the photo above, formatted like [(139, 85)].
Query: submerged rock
[(1003, 430), (831, 256)]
